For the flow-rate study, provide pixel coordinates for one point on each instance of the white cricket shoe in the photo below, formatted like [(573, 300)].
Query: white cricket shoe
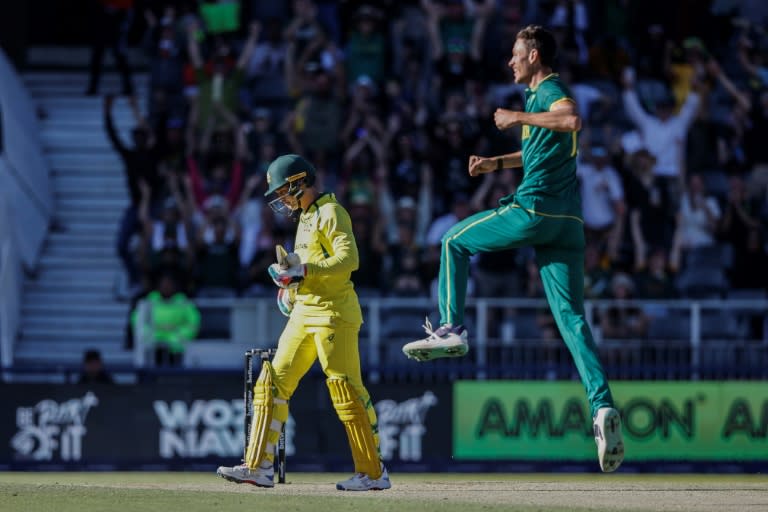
[(260, 477), (610, 446), (361, 482), (445, 341)]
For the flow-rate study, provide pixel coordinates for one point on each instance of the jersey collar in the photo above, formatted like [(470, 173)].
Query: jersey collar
[(320, 200), (533, 89)]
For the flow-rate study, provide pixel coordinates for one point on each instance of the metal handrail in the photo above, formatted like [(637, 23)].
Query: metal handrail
[(376, 308), (9, 302)]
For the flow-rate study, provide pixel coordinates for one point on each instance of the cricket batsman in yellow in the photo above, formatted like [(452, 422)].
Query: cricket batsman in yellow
[(315, 291)]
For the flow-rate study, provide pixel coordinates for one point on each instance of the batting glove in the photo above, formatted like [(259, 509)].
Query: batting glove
[(287, 277), (285, 300)]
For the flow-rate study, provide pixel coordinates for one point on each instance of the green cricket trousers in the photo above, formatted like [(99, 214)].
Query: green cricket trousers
[(559, 244)]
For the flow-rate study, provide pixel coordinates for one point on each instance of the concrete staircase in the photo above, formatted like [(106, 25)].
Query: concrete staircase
[(70, 305)]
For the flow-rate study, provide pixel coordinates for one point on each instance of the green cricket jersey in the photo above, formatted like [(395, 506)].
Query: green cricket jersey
[(549, 184)]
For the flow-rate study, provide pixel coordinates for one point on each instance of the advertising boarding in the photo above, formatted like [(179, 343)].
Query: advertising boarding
[(673, 421), (175, 422)]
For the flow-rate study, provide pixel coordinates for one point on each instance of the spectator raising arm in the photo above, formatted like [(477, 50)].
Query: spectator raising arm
[(483, 12), (638, 240), (690, 108), (109, 123), (193, 47), (141, 122), (205, 137), (146, 246), (424, 205), (185, 205), (745, 46), (292, 72), (196, 182), (742, 99), (434, 13), (250, 45), (665, 132), (676, 253), (632, 105), (144, 216), (479, 198), (250, 188), (289, 128), (236, 180)]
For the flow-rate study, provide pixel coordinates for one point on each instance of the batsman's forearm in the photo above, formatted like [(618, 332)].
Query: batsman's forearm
[(511, 160), (563, 120), (339, 263), (345, 259)]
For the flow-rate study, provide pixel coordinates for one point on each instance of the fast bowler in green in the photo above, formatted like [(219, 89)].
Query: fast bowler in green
[(545, 212)]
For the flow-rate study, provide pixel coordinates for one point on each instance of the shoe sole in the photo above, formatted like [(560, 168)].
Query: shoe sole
[(340, 488), (612, 454), (421, 354), (229, 478)]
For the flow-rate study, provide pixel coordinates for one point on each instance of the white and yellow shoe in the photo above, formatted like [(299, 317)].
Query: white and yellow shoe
[(362, 482), (260, 477), (445, 341), (610, 445)]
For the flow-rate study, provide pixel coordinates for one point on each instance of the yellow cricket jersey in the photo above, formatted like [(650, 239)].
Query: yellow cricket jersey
[(324, 241)]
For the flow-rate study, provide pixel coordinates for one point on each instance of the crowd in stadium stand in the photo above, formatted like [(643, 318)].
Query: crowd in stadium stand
[(389, 99)]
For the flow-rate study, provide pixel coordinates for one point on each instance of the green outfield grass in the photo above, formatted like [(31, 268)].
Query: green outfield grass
[(192, 492)]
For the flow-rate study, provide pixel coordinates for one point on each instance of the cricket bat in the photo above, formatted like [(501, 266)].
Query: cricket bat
[(282, 256), (284, 259)]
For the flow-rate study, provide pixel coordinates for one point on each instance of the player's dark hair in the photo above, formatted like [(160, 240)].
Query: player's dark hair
[(536, 36)]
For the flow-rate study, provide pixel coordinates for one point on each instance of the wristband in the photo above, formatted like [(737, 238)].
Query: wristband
[(500, 163)]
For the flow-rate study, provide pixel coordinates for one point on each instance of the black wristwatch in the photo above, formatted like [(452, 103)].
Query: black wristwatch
[(500, 163)]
